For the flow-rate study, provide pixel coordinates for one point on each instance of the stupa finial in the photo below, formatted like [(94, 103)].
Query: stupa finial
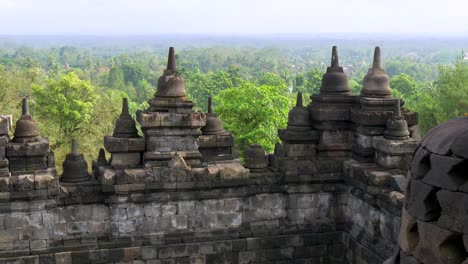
[(171, 62), (398, 108), (125, 107), (210, 105), (25, 106), (74, 147), (299, 99), (334, 59), (376, 62)]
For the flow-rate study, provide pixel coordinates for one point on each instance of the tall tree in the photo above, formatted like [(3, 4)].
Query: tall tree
[(65, 104), (253, 113)]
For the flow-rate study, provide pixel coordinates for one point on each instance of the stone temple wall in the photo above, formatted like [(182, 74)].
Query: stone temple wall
[(331, 193), (251, 221)]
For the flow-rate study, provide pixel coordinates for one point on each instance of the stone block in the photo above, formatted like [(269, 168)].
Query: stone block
[(390, 161), (443, 173), (63, 258), (4, 184), (108, 177), (99, 256), (438, 246), (149, 119), (336, 140), (228, 219), (45, 182), (136, 144), (364, 141), (153, 210), (3, 156), (310, 252), (405, 259), (179, 221), (5, 125), (47, 259), (113, 144), (329, 114), (31, 149), (36, 163), (22, 182), (99, 213), (168, 209), (5, 172), (421, 163), (396, 147), (454, 214), (300, 150), (51, 160), (231, 171), (40, 148), (17, 164), (371, 118), (135, 211), (125, 159), (172, 143), (131, 254), (249, 257), (293, 137), (38, 244), (409, 236), (140, 175), (299, 167), (421, 201)]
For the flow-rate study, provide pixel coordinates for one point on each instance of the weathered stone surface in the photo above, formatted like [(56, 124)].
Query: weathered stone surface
[(336, 140), (421, 201), (437, 245), (125, 159), (255, 157), (405, 259), (454, 210), (444, 174), (45, 182), (421, 163), (396, 147), (5, 125), (409, 235), (231, 171), (390, 161)]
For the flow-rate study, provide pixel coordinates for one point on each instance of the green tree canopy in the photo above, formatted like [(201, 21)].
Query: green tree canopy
[(404, 84), (67, 103), (253, 113)]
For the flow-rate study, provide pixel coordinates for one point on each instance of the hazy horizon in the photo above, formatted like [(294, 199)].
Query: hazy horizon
[(430, 18)]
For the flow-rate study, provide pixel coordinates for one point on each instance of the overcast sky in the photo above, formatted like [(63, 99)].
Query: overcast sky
[(140, 17)]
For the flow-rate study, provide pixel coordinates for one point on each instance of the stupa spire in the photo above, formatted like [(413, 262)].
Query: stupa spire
[(125, 107), (210, 105), (171, 61), (376, 62), (25, 107), (299, 99), (74, 147), (398, 108), (334, 59)]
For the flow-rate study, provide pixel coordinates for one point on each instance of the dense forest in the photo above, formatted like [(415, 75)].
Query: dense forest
[(76, 84)]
